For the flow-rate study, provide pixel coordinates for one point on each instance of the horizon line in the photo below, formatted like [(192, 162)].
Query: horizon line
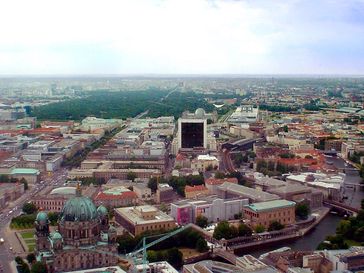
[(174, 75)]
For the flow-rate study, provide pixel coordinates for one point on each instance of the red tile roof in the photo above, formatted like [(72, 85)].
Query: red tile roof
[(180, 157), (195, 188), (125, 195), (217, 181)]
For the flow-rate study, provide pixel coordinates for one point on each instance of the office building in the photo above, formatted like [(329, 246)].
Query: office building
[(192, 133)]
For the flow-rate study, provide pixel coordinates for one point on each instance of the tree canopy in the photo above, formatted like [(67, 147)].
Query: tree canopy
[(201, 221), (302, 211), (123, 104), (29, 208), (38, 267), (275, 225), (244, 230), (225, 230)]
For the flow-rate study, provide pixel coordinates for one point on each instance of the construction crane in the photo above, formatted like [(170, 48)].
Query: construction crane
[(135, 255)]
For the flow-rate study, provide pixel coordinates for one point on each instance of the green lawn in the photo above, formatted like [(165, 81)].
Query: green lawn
[(28, 237), (31, 248), (27, 234)]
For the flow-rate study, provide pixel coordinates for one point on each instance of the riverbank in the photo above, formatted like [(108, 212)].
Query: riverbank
[(269, 240), (322, 213), (310, 241)]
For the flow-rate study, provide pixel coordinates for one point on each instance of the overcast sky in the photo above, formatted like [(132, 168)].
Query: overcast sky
[(181, 37)]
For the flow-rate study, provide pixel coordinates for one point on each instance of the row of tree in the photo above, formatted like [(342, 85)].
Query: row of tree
[(179, 183), (76, 160), (271, 168), (35, 267), (229, 231), (26, 220), (7, 179), (241, 158)]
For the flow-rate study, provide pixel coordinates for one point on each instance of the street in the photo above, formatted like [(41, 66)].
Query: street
[(7, 252)]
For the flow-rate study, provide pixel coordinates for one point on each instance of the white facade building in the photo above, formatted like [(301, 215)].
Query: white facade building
[(213, 208), (244, 114)]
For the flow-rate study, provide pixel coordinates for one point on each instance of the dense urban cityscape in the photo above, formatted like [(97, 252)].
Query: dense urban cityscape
[(182, 136), (182, 174)]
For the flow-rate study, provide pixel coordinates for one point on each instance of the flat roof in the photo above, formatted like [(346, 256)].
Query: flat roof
[(24, 171), (206, 157), (132, 215), (275, 204), (116, 190), (248, 192), (291, 188), (159, 267), (268, 181)]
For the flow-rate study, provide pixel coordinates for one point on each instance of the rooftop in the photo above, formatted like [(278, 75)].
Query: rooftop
[(109, 269), (116, 193), (269, 181), (133, 214), (24, 171), (206, 157), (275, 204), (250, 263), (217, 181), (290, 188), (158, 267), (195, 188), (247, 192), (64, 191)]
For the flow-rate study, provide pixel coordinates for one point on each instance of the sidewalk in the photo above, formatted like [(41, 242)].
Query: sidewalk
[(14, 242)]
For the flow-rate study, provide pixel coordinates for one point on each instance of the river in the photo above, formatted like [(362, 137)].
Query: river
[(308, 242), (328, 224)]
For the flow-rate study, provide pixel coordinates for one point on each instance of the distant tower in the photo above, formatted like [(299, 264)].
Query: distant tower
[(42, 231)]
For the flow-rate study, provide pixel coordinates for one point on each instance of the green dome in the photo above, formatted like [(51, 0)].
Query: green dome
[(79, 208), (102, 211), (42, 217), (56, 236)]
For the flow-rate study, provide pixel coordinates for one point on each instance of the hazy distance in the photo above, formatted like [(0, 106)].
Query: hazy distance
[(181, 37)]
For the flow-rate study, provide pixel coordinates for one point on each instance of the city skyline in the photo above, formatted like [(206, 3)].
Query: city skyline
[(182, 37)]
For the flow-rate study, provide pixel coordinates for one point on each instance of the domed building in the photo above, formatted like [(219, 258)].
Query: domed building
[(84, 239), (200, 113)]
